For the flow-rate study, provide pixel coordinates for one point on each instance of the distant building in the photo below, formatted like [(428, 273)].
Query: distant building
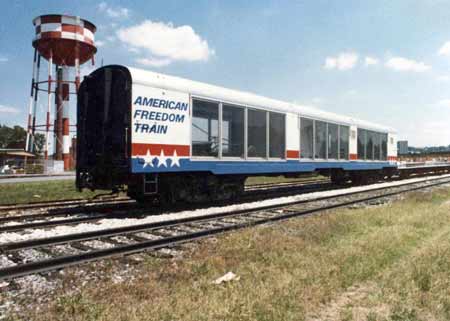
[(402, 146), (13, 159)]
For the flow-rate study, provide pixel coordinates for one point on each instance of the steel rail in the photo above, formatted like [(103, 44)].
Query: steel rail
[(84, 236), (84, 201), (59, 203), (68, 221), (126, 249), (124, 206)]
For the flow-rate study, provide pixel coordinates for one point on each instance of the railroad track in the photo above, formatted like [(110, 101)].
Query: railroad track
[(64, 203), (95, 245), (128, 208)]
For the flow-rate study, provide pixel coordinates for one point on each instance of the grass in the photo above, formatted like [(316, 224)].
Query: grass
[(42, 191), (388, 263), (65, 189)]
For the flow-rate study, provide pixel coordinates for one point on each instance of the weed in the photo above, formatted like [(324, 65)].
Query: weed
[(404, 314), (291, 270), (372, 316), (422, 278)]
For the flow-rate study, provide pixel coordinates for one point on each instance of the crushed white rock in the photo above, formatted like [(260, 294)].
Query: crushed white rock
[(114, 223), (5, 262)]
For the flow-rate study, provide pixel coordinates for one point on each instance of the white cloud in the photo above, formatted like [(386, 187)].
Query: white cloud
[(99, 43), (164, 43), (369, 61), (344, 61), (154, 62), (317, 100), (134, 50), (444, 103), (433, 132), (445, 49), (8, 109), (3, 59), (116, 12), (443, 78), (404, 64)]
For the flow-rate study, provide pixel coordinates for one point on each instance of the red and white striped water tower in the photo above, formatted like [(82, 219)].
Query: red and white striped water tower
[(65, 42)]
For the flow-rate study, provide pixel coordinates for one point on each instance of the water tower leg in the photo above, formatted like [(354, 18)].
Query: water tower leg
[(57, 129), (65, 117), (49, 106), (36, 92), (77, 74), (29, 143)]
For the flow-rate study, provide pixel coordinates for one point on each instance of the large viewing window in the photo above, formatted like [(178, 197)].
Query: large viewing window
[(371, 145), (361, 143), (320, 139), (384, 140), (344, 134), (233, 131), (306, 138), (257, 133), (377, 146), (277, 135), (323, 140), (205, 128), (333, 138), (265, 135)]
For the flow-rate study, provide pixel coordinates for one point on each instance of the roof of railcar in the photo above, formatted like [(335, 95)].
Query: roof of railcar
[(199, 89)]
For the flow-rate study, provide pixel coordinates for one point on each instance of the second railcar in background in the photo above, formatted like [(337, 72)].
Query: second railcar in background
[(182, 140)]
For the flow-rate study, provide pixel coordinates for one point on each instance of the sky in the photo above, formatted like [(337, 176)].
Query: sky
[(383, 61)]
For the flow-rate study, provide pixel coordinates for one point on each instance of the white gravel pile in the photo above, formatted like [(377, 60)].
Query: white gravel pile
[(114, 223)]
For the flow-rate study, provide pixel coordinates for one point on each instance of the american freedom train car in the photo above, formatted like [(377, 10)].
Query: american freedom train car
[(182, 140)]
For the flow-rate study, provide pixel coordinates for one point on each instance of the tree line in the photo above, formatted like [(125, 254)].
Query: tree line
[(15, 137)]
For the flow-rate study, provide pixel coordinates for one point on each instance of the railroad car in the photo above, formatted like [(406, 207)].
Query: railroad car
[(181, 140)]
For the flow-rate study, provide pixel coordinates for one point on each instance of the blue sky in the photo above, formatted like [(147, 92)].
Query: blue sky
[(383, 61)]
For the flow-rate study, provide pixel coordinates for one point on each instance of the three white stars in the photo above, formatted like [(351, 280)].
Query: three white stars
[(162, 159)]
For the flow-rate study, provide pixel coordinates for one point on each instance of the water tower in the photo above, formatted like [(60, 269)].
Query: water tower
[(66, 42)]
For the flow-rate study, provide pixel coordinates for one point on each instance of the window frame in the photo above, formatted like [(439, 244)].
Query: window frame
[(313, 138), (267, 111), (338, 124), (338, 141), (268, 135), (347, 158), (378, 135), (218, 124), (245, 108)]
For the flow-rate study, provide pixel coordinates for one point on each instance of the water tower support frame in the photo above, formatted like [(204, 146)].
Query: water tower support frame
[(49, 106)]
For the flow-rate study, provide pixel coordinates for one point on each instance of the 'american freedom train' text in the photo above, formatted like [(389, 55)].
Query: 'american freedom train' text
[(161, 103), (157, 116)]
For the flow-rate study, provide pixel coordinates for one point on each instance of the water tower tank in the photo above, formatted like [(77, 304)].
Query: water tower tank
[(64, 38), (65, 42)]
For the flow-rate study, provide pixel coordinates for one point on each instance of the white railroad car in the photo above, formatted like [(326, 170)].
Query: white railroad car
[(185, 140)]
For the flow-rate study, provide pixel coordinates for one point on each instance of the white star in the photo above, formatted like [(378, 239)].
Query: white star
[(162, 160), (175, 159), (148, 159)]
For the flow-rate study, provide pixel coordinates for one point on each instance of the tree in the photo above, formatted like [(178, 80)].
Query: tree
[(39, 142), (15, 137), (12, 137)]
